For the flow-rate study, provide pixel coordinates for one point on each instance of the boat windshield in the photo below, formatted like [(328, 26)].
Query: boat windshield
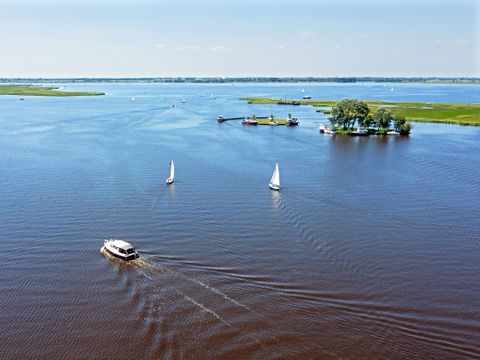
[(130, 251)]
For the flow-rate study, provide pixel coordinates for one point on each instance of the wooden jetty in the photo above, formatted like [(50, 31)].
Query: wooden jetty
[(221, 118)]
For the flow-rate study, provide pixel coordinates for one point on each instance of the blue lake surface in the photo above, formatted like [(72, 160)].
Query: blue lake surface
[(370, 250)]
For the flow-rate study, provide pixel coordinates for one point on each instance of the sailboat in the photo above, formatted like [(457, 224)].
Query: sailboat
[(133, 99), (275, 180), (303, 90), (172, 173)]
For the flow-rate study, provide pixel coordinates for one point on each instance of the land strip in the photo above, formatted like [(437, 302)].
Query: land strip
[(460, 114), (30, 90)]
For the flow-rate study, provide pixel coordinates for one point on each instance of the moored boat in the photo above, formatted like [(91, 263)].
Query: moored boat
[(326, 130), (292, 122), (121, 249), (392, 132), (250, 121), (359, 132)]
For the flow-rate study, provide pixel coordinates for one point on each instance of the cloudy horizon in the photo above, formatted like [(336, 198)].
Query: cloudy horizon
[(234, 39)]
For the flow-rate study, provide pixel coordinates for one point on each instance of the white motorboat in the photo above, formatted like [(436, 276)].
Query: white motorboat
[(359, 132), (120, 249), (275, 180), (326, 130), (172, 174)]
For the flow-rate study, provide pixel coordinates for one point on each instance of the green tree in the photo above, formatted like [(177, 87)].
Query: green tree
[(347, 112), (369, 122), (399, 121), (383, 117)]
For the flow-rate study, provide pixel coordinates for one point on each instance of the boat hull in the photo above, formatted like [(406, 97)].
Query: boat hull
[(274, 187), (169, 181)]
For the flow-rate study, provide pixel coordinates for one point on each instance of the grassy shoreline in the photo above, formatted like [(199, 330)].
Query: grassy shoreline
[(445, 113), (31, 90)]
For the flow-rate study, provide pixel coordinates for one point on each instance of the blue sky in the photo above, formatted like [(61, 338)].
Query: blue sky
[(73, 38)]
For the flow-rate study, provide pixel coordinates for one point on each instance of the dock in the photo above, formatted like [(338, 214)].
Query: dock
[(221, 118), (260, 120)]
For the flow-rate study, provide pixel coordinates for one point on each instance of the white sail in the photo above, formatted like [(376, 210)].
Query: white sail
[(133, 99), (275, 180), (172, 170)]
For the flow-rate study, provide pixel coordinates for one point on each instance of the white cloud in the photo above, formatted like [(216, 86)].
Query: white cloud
[(308, 33), (360, 36), (461, 42), (218, 48), (160, 46), (280, 48), (188, 47), (337, 47), (305, 48)]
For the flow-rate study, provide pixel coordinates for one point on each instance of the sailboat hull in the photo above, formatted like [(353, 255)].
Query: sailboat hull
[(274, 187), (169, 181)]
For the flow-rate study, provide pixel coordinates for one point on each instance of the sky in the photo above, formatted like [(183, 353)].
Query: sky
[(162, 38)]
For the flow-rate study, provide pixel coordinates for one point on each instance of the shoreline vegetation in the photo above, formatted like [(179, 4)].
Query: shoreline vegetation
[(445, 113), (31, 90), (209, 80)]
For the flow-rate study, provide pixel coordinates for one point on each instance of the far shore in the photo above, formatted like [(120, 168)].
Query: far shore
[(446, 113), (31, 90)]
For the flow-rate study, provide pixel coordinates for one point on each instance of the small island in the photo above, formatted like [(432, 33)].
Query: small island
[(355, 118), (447, 113), (31, 90)]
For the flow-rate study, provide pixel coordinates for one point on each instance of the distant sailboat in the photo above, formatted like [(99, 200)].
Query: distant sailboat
[(303, 90), (275, 180), (133, 99), (391, 89), (184, 101), (172, 173)]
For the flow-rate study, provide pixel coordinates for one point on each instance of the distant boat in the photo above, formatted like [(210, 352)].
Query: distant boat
[(391, 89), (212, 97), (275, 180), (184, 101), (303, 90), (133, 99), (307, 97), (172, 173)]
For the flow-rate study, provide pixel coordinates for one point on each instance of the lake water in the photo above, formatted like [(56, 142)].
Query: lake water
[(370, 250)]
